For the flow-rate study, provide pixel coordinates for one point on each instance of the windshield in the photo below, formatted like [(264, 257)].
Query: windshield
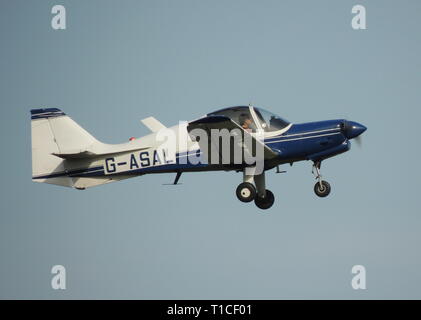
[(270, 121)]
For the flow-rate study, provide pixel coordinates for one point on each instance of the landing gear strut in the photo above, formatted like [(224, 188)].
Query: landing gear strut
[(264, 197), (321, 188)]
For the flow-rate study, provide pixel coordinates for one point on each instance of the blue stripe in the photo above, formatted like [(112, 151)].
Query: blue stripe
[(73, 173), (302, 134), (173, 166), (46, 113), (302, 137), (185, 153)]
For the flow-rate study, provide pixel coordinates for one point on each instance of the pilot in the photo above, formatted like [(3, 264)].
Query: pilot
[(246, 122)]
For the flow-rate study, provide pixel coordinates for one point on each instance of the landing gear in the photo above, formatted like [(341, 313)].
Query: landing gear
[(246, 192), (254, 188), (321, 188), (265, 202)]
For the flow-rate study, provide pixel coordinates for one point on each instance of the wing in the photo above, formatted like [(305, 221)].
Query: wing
[(240, 141)]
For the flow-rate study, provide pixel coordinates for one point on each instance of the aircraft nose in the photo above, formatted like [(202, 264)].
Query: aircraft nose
[(353, 129)]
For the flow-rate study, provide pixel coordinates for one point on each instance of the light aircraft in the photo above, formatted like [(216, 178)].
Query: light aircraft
[(64, 154)]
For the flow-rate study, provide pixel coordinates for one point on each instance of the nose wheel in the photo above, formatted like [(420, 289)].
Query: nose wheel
[(322, 187)]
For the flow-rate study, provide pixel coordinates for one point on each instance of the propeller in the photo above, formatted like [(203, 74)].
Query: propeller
[(359, 141), (353, 130)]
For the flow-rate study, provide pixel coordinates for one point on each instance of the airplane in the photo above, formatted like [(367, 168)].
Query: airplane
[(64, 154)]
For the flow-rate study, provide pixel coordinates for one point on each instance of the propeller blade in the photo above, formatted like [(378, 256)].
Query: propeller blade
[(359, 141)]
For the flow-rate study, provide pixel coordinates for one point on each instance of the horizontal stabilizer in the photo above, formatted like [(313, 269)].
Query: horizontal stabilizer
[(76, 155), (89, 154)]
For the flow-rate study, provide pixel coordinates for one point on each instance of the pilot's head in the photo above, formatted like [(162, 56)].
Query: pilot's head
[(245, 120)]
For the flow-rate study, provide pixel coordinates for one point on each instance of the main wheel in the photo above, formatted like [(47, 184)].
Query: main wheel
[(266, 202), (246, 192), (322, 190)]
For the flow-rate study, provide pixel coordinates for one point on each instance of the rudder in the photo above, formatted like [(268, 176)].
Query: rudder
[(53, 132)]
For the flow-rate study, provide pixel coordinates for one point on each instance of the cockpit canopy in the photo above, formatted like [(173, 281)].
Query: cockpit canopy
[(252, 118)]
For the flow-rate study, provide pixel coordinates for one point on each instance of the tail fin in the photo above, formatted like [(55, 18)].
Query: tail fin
[(53, 132)]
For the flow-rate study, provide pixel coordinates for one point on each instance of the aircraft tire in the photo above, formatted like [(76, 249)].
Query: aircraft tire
[(266, 202), (246, 192), (322, 191)]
